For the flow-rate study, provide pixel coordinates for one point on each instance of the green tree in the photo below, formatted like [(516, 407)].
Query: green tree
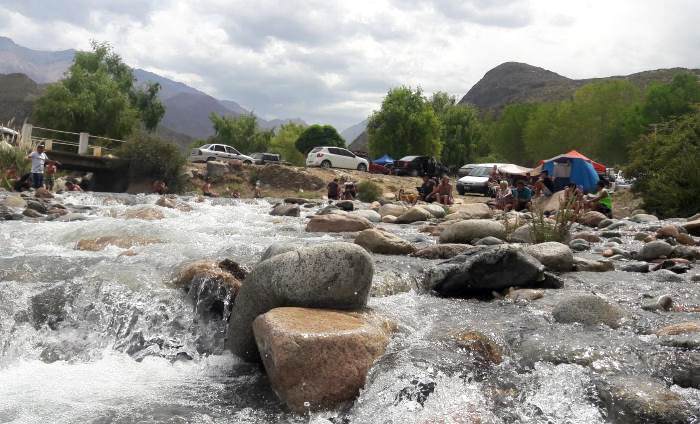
[(663, 101), (461, 135), (665, 165), (405, 124), (283, 142), (241, 132), (98, 96), (153, 158), (318, 135), (506, 135)]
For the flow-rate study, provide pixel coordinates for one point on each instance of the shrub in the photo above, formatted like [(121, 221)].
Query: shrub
[(368, 191), (153, 158), (12, 156), (542, 229)]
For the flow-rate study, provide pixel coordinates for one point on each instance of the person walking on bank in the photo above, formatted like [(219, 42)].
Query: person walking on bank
[(39, 160)]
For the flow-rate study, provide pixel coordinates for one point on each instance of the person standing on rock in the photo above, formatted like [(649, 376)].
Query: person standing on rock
[(38, 159), (50, 175)]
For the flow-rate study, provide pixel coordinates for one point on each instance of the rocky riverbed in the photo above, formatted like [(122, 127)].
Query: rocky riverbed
[(116, 308)]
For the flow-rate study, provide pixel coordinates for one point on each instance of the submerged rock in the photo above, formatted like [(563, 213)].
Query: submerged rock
[(50, 306), (383, 242), (485, 269), (146, 213), (441, 251), (316, 359), (126, 242), (335, 223), (553, 255), (285, 209), (332, 275), (475, 229), (589, 310), (478, 344), (591, 265)]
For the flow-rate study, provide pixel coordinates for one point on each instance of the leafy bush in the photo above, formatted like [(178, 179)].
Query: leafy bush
[(12, 156), (665, 165), (153, 158), (542, 229), (368, 191)]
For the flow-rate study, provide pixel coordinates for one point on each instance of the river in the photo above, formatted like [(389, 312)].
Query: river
[(101, 337)]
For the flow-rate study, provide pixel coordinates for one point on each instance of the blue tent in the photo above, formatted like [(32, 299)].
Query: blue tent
[(386, 159), (571, 168)]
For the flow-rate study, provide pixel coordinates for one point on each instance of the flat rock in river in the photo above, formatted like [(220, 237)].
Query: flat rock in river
[(553, 255), (335, 223), (473, 229), (414, 214), (441, 251), (379, 241), (588, 309)]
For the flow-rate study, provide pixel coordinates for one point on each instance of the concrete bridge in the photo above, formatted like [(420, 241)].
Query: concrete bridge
[(81, 152)]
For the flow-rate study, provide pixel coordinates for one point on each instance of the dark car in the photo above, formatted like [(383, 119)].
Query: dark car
[(263, 158), (375, 168), (417, 166)]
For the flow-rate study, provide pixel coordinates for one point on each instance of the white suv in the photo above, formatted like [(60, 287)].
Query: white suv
[(335, 157), (218, 152)]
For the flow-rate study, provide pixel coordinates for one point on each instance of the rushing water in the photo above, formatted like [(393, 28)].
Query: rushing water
[(101, 337)]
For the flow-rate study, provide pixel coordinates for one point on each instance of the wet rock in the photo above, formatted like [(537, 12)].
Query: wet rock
[(553, 255), (277, 249), (14, 202), (335, 223), (37, 206), (296, 200), (579, 245), (173, 203), (668, 231), (317, 359), (665, 275), (479, 345), (391, 283), (611, 234), (50, 305), (662, 303), (637, 399), (126, 242), (484, 269), (592, 218), (615, 225), (524, 295), (332, 275), (285, 209), (414, 214), (636, 267), (70, 217), (685, 239), (31, 213), (346, 205), (685, 370), (391, 209), (587, 236), (389, 219), (489, 241), (605, 223), (643, 218), (216, 169), (522, 234), (472, 211), (435, 210), (654, 250), (42, 193), (383, 242), (641, 236), (592, 265), (695, 278), (368, 214), (685, 252), (146, 213), (466, 231), (588, 310), (693, 227), (441, 251), (689, 327)]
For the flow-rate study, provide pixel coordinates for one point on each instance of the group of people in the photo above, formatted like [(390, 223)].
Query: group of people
[(347, 192), (42, 175), (434, 190)]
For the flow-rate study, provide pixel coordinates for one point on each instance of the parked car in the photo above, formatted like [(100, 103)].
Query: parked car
[(376, 168), (218, 152), (465, 170), (477, 178), (263, 158), (417, 166), (336, 157)]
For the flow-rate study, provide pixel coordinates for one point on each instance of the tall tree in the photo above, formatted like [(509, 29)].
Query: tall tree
[(318, 135), (283, 142), (506, 134), (241, 132), (98, 96), (460, 129), (663, 101), (405, 124)]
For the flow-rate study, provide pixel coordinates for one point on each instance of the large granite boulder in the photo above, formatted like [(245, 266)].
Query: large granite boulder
[(336, 223), (693, 227), (435, 210), (553, 255), (379, 241), (332, 275), (473, 229), (318, 358), (369, 215), (592, 218), (643, 218), (654, 250), (276, 249), (471, 211), (392, 209), (414, 214), (588, 309), (483, 269)]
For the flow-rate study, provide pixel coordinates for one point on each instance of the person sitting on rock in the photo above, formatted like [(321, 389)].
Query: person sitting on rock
[(547, 181), (442, 193), (540, 189), (522, 196), (350, 191), (23, 183), (207, 190), (71, 186), (573, 198), (600, 201), (426, 189), (334, 190), (159, 187), (504, 196)]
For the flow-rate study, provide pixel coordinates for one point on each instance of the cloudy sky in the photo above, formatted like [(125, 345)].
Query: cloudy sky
[(332, 61)]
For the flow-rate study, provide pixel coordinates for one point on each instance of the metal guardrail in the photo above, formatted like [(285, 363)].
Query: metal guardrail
[(81, 143)]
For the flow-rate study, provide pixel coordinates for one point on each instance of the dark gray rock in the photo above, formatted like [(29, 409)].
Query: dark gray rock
[(346, 205), (285, 209), (333, 275), (49, 306), (489, 241), (579, 245), (485, 269), (588, 309), (662, 303), (654, 250), (37, 206), (636, 267)]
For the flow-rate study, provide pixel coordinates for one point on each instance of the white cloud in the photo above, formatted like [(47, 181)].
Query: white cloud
[(332, 62)]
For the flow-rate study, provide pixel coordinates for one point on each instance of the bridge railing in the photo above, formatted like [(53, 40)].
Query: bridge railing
[(67, 141)]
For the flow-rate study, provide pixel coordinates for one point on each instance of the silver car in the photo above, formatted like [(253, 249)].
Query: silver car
[(218, 152)]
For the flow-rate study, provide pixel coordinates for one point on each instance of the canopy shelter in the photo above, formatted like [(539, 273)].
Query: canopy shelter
[(512, 169), (572, 167), (384, 160)]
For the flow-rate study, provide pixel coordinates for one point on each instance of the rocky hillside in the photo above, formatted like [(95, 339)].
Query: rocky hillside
[(514, 82), (17, 94)]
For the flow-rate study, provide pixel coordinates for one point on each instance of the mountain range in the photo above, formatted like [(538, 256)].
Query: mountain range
[(187, 109)]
